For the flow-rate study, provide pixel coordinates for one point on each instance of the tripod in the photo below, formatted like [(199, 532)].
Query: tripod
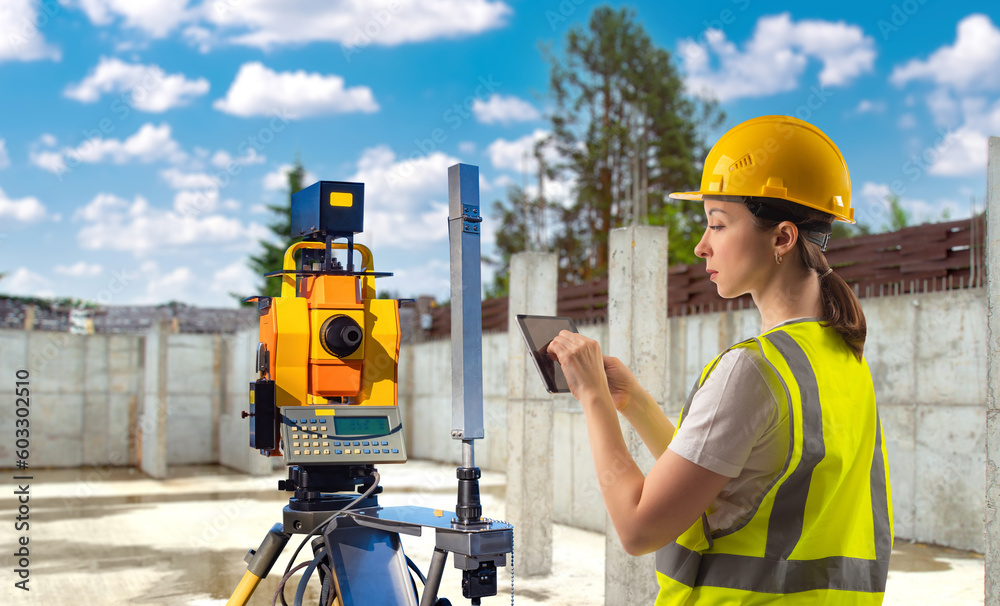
[(357, 548)]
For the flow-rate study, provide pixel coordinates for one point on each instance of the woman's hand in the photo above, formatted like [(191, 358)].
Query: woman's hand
[(621, 382), (581, 362)]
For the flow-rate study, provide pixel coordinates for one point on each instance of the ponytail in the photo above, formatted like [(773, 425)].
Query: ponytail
[(841, 307)]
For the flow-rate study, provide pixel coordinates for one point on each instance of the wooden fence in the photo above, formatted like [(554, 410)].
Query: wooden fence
[(924, 258)]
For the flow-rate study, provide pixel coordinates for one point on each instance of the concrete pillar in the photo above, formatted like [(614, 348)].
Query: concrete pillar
[(533, 285), (637, 335), (993, 372), (153, 421), (234, 430)]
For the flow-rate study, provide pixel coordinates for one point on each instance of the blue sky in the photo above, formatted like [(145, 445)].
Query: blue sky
[(140, 141)]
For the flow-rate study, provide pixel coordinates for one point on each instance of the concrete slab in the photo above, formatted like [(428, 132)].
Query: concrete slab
[(125, 363), (890, 348), (949, 501), (59, 359), (57, 429), (116, 537), (899, 428), (192, 366), (951, 348), (13, 352)]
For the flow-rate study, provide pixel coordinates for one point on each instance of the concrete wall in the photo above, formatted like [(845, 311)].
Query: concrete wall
[(927, 354), (87, 391), (84, 393)]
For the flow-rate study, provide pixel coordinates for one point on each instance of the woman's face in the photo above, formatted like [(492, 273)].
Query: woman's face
[(738, 257)]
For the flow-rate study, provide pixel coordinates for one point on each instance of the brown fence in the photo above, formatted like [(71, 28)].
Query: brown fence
[(924, 258)]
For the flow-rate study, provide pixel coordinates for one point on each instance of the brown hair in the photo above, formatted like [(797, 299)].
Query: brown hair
[(841, 308)]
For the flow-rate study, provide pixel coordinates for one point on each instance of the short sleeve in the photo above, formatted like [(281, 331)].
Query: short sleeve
[(729, 414)]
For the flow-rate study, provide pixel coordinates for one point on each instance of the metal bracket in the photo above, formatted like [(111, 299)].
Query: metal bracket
[(470, 219)]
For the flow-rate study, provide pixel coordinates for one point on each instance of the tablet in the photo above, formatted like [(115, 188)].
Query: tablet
[(538, 332)]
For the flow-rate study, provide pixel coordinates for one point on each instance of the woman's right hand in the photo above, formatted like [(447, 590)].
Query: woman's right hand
[(621, 382)]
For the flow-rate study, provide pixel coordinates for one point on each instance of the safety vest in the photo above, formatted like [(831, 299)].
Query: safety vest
[(822, 531)]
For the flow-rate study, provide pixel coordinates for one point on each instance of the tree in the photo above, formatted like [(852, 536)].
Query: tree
[(898, 216), (628, 136), (512, 236), (272, 254)]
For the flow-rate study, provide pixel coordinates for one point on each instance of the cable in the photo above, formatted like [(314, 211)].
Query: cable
[(280, 591), (320, 528), (413, 567)]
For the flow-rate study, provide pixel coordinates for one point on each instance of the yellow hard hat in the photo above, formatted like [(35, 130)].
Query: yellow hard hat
[(778, 157)]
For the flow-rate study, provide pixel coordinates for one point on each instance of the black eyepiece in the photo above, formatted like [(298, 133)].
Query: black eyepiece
[(341, 335)]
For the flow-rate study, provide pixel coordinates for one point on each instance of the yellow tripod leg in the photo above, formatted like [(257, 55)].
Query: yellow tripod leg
[(259, 563), (241, 595)]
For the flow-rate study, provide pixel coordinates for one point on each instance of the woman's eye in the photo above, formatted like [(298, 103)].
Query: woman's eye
[(716, 227)]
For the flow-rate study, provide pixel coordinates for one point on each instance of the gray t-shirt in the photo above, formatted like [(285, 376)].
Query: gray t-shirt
[(733, 428)]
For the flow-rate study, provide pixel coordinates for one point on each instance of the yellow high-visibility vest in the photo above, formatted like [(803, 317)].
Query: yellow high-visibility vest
[(822, 531)]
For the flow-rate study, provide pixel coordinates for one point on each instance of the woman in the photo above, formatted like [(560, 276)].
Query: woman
[(774, 487)]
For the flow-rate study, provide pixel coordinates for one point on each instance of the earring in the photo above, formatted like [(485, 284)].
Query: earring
[(777, 258)]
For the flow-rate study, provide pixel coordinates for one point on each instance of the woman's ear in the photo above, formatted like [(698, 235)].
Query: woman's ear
[(786, 234)]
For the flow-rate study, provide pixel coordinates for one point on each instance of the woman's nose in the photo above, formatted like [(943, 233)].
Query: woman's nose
[(701, 249)]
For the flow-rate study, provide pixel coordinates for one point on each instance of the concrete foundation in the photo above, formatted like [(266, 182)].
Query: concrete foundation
[(637, 335), (992, 264), (530, 441)]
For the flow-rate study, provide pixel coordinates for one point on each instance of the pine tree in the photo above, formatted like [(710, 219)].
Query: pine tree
[(272, 255), (629, 136)]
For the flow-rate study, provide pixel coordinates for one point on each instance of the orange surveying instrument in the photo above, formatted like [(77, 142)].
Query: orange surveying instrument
[(326, 401)]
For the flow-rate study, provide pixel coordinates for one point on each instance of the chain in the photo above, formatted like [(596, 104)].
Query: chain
[(511, 558), (511, 564)]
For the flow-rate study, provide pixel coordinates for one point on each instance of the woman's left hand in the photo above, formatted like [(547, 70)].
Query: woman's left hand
[(581, 362)]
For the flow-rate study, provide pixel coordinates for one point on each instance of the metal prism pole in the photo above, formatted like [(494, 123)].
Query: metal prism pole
[(466, 303), (466, 331)]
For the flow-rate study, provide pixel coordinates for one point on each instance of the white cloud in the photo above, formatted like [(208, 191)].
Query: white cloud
[(4, 158), (222, 158), (149, 144), (196, 202), (406, 200), (963, 99), (235, 278), (467, 147), (519, 155), (868, 106), (174, 285), (178, 179), (872, 206), (112, 223), (352, 23), (774, 59), (26, 283), (260, 91), (146, 87), (21, 31), (277, 180), (962, 152), (80, 269), (27, 210), (156, 18), (504, 110), (969, 64), (907, 121)]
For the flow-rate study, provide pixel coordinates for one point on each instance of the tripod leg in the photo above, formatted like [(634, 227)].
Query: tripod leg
[(259, 563), (434, 577)]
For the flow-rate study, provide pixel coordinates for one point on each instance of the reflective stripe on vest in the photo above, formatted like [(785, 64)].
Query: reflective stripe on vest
[(775, 573)]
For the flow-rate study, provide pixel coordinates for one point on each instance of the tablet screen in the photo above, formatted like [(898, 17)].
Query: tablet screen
[(538, 332)]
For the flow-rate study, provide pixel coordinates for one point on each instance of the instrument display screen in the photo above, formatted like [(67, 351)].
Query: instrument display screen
[(361, 426)]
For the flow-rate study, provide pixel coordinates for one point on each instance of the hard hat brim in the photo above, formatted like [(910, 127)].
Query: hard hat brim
[(700, 196), (687, 195)]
